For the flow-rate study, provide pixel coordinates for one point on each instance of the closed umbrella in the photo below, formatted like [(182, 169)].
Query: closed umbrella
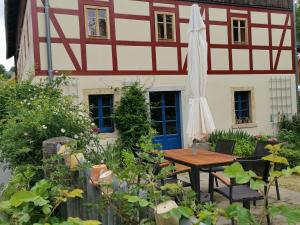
[(200, 120)]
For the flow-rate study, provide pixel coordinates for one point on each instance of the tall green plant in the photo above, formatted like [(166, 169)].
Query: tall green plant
[(32, 113), (132, 116)]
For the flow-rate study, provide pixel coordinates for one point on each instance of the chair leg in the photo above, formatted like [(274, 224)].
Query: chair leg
[(254, 202), (217, 183), (277, 188), (268, 220)]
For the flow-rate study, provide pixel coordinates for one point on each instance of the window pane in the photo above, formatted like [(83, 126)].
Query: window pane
[(158, 127), (160, 17), (235, 23), (92, 29), (236, 35), (155, 99), (171, 128), (102, 27), (170, 99), (242, 23), (161, 31), (107, 123), (156, 114), (170, 113), (243, 35), (106, 111), (102, 13), (106, 100), (170, 31), (93, 101), (94, 112), (169, 18)]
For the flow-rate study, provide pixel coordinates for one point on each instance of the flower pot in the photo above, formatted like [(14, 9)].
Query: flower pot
[(161, 211), (106, 179), (96, 171)]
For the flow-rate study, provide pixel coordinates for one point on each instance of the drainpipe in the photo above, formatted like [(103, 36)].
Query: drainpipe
[(48, 40), (296, 58)]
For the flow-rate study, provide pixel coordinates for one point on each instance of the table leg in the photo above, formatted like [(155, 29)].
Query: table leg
[(196, 182), (211, 186)]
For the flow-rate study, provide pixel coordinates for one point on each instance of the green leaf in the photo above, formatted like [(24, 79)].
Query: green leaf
[(132, 199), (234, 170), (242, 178), (144, 203), (185, 211), (256, 184), (76, 193), (47, 209), (40, 201), (276, 159), (174, 213), (297, 169), (22, 196), (292, 215), (23, 218), (242, 215)]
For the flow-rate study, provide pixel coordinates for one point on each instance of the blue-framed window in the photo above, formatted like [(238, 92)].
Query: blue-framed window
[(242, 107), (101, 109)]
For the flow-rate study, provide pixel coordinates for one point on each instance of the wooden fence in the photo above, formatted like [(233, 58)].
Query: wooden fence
[(87, 208)]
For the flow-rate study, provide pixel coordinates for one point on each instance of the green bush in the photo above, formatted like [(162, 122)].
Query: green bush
[(245, 143), (132, 116), (33, 113)]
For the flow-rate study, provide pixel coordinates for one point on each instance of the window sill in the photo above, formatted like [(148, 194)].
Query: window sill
[(244, 125)]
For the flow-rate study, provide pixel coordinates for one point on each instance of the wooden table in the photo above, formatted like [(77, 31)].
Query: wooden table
[(202, 159)]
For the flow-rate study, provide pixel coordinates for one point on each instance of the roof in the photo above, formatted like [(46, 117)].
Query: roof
[(13, 10)]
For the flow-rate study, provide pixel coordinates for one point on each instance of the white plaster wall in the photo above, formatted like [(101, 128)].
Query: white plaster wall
[(260, 36), (127, 30), (99, 57), (259, 17), (134, 58), (261, 60), (41, 26), (25, 63), (132, 7), (218, 34), (184, 11), (240, 59), (69, 24), (217, 14), (219, 95), (72, 4), (166, 58), (219, 59), (63, 62)]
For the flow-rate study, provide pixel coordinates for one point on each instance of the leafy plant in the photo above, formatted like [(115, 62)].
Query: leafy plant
[(32, 113), (132, 116), (245, 143), (38, 206)]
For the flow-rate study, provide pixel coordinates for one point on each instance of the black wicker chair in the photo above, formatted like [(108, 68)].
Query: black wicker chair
[(224, 147), (243, 193), (261, 151)]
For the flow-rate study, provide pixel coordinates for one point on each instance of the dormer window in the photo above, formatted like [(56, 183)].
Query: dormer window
[(165, 26), (96, 22), (239, 31)]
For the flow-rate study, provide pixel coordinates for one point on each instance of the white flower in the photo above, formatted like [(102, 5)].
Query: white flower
[(81, 134), (25, 134), (93, 124), (76, 136), (62, 130), (44, 127)]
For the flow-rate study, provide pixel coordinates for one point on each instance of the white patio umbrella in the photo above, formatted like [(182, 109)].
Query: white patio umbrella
[(200, 120)]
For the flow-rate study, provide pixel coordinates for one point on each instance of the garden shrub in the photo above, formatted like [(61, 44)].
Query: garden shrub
[(245, 143), (32, 113), (289, 132), (132, 116)]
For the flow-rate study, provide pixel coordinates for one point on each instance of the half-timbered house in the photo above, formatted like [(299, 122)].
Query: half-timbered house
[(105, 44)]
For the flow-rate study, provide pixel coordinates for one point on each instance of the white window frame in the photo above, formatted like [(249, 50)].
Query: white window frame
[(165, 26), (239, 42)]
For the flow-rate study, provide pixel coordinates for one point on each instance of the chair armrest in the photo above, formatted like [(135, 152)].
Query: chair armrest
[(164, 164), (221, 178)]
